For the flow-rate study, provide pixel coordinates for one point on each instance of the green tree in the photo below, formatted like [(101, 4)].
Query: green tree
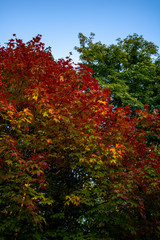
[(130, 69)]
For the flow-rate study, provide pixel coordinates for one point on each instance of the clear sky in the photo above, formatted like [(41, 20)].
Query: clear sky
[(60, 21)]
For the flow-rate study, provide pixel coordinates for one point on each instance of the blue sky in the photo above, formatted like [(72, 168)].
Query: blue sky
[(60, 21)]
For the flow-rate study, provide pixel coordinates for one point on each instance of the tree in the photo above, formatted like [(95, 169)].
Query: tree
[(72, 165), (129, 69)]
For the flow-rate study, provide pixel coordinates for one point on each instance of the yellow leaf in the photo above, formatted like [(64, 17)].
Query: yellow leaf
[(45, 114), (35, 94), (103, 102)]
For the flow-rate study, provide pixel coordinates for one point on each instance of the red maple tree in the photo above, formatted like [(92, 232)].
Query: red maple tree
[(67, 153)]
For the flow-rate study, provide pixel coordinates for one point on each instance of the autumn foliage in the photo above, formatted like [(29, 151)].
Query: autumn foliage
[(72, 166)]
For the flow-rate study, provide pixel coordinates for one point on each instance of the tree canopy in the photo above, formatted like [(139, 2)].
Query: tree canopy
[(129, 68), (72, 165)]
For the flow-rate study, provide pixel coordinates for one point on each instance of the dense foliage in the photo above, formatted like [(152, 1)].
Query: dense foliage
[(130, 68), (72, 165)]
